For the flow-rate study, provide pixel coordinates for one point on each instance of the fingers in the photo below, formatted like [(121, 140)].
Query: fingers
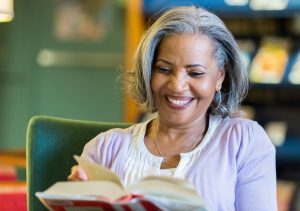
[(77, 174)]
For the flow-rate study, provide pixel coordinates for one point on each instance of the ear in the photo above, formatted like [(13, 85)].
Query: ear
[(220, 79)]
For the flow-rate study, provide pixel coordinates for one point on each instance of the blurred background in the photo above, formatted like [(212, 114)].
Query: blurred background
[(63, 58)]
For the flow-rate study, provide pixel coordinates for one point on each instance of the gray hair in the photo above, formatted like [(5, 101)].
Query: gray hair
[(192, 20)]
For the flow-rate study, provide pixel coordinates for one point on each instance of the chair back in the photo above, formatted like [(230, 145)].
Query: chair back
[(50, 146)]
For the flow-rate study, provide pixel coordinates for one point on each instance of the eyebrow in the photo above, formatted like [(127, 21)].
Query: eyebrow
[(188, 66)]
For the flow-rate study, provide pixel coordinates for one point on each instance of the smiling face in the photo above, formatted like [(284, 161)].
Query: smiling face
[(185, 78)]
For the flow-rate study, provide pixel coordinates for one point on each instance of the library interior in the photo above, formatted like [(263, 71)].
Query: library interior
[(60, 61)]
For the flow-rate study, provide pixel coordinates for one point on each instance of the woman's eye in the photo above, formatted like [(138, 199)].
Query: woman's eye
[(195, 74), (164, 70)]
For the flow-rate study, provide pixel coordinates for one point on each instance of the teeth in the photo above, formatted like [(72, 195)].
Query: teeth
[(178, 102)]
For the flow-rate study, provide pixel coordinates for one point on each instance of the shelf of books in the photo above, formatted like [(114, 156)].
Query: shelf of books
[(271, 53), (232, 7), (270, 49)]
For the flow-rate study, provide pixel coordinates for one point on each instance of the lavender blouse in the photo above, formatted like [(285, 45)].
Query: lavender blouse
[(233, 169)]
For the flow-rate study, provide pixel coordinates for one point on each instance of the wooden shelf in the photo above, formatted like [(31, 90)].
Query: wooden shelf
[(13, 158)]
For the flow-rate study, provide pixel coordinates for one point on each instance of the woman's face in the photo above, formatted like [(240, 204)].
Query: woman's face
[(185, 78)]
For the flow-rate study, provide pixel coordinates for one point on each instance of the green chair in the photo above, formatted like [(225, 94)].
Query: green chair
[(50, 146)]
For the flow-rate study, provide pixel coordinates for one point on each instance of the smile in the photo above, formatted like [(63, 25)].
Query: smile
[(179, 101)]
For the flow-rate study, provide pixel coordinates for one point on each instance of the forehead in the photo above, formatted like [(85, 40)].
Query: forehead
[(186, 39), (186, 45)]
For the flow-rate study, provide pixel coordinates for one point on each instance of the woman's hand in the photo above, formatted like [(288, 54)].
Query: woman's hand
[(77, 174)]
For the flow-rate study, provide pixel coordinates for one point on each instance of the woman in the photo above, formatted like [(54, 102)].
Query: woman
[(188, 69)]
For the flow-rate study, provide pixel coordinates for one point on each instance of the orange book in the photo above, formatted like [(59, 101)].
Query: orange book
[(270, 62)]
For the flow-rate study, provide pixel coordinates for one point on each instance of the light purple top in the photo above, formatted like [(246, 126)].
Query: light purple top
[(234, 171)]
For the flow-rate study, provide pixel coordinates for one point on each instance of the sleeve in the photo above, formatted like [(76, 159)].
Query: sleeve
[(256, 182)]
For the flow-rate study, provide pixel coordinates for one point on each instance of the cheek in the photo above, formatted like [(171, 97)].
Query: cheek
[(156, 83), (152, 84), (206, 87)]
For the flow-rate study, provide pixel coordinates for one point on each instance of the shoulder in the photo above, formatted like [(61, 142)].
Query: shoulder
[(110, 143), (244, 136), (249, 140), (115, 134), (235, 122), (118, 135), (121, 135), (242, 129)]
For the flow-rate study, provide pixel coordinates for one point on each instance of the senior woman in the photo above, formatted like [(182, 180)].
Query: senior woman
[(187, 69)]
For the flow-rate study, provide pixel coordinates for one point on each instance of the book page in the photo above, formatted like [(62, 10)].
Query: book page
[(97, 172), (83, 190), (167, 189)]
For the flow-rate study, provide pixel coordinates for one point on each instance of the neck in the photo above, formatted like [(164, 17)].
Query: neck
[(184, 131), (182, 139)]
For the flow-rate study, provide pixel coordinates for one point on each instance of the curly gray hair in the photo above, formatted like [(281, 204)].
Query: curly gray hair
[(192, 20)]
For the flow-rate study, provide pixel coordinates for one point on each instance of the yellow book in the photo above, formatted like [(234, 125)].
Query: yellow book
[(270, 62)]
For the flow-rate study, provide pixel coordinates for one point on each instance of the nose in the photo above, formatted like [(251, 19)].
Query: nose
[(178, 82)]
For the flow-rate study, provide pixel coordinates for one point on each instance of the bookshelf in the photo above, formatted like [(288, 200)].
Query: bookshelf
[(274, 100)]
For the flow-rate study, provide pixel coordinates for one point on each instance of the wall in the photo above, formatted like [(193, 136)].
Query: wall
[(72, 87)]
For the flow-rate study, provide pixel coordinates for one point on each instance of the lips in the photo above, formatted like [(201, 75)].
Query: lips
[(179, 102)]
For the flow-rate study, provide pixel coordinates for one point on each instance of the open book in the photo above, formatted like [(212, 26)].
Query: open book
[(105, 190)]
